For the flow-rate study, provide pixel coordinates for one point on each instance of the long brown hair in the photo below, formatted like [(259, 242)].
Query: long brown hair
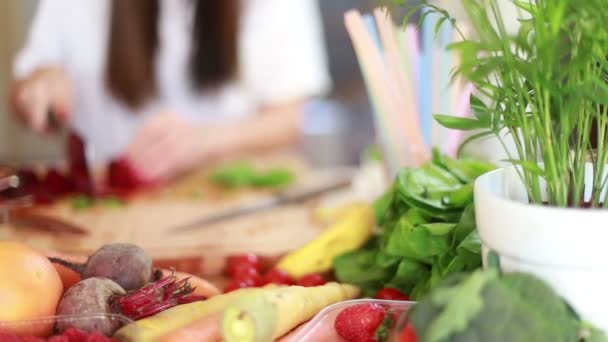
[(133, 44)]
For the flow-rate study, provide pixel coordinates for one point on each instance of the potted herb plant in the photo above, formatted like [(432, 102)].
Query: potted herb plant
[(544, 84)]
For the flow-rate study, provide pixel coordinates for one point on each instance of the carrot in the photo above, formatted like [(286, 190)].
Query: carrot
[(205, 329), (202, 287), (151, 328), (68, 277), (265, 316)]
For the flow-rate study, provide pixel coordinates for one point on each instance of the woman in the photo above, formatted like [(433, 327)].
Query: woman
[(171, 84)]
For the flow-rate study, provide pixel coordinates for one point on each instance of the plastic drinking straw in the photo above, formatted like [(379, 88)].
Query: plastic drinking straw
[(407, 118), (375, 77), (410, 43), (436, 94), (447, 64), (370, 24), (464, 108), (390, 117), (425, 75)]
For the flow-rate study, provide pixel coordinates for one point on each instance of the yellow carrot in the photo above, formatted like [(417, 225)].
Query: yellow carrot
[(151, 328), (265, 316)]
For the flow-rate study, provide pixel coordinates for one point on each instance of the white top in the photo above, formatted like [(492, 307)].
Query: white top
[(281, 50)]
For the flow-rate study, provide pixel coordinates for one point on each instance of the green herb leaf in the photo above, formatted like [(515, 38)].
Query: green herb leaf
[(460, 123), (81, 202)]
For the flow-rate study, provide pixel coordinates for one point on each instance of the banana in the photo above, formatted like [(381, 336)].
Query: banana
[(353, 226)]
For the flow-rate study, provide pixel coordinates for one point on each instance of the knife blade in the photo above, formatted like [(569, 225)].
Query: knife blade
[(9, 182), (40, 222), (281, 199)]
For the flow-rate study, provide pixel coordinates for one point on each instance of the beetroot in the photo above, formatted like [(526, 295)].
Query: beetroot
[(79, 171), (126, 264), (122, 176), (101, 295), (56, 184), (90, 296)]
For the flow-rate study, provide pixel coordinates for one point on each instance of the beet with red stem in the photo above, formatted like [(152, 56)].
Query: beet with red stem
[(126, 264), (100, 296)]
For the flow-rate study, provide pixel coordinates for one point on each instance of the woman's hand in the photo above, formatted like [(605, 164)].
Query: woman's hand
[(165, 146), (46, 91)]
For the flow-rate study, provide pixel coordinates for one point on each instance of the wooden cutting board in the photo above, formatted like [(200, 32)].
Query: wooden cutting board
[(146, 219)]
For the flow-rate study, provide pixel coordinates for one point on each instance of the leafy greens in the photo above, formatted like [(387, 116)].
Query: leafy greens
[(427, 230)]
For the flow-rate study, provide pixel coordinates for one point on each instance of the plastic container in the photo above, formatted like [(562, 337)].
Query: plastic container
[(25, 327), (321, 327)]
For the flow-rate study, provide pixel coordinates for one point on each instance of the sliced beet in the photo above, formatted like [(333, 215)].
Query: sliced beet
[(56, 184), (78, 170), (121, 175)]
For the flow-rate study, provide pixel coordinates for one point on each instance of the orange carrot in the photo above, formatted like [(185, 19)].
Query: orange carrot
[(203, 287), (205, 329)]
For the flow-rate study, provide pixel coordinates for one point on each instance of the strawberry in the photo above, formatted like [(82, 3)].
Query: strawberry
[(58, 338), (98, 337), (30, 339), (248, 275), (390, 293), (8, 337), (364, 323), (279, 277), (234, 263), (236, 284), (311, 280), (75, 335), (407, 334)]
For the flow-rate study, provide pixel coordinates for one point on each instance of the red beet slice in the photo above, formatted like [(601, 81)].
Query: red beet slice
[(122, 176), (79, 172), (56, 184)]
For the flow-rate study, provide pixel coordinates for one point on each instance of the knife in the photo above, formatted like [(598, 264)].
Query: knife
[(14, 212), (9, 182), (281, 199)]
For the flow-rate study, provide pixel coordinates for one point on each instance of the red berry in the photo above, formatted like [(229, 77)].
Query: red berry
[(234, 263), (30, 339), (98, 337), (280, 277), (235, 285), (407, 334), (311, 280), (75, 335), (249, 275), (58, 338), (390, 293), (8, 337), (363, 323)]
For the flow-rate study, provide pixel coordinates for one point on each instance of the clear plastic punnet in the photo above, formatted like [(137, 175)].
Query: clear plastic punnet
[(321, 327), (35, 326)]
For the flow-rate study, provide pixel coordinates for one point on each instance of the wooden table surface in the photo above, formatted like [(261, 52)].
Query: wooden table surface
[(146, 219)]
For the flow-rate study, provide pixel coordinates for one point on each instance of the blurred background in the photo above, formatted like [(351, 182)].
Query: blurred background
[(343, 119)]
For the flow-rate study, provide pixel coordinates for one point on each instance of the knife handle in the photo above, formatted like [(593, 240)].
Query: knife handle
[(52, 120)]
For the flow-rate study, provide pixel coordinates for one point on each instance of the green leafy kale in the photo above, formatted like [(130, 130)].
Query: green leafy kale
[(488, 306), (427, 230)]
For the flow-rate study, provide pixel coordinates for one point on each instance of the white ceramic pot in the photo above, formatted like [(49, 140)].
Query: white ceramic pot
[(566, 247)]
